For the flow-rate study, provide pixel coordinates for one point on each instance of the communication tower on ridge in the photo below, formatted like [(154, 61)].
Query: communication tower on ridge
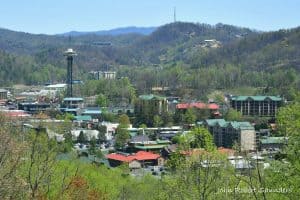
[(174, 14)]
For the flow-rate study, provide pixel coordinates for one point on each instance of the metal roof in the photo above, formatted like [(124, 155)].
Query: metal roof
[(73, 99), (92, 112), (256, 98), (273, 140), (233, 124), (151, 96), (71, 109), (155, 146), (83, 118), (3, 90)]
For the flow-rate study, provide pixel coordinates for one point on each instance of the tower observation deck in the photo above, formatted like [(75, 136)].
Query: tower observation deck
[(70, 53)]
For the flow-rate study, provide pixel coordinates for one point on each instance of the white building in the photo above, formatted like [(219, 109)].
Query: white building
[(89, 134)]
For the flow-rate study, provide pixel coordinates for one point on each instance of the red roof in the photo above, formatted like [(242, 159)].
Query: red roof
[(226, 151), (141, 155), (200, 105), (15, 113)]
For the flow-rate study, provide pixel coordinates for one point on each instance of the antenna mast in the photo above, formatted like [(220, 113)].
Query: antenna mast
[(174, 14)]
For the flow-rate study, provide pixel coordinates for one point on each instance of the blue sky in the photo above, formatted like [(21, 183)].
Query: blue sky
[(58, 16)]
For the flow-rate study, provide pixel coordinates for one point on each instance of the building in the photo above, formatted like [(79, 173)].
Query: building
[(212, 108), (72, 105), (34, 108), (240, 164), (15, 113), (153, 146), (228, 133), (272, 144), (54, 90), (89, 134), (3, 94), (164, 133), (110, 129), (136, 160), (103, 74), (256, 105), (94, 112), (155, 103), (108, 75), (128, 110), (149, 105)]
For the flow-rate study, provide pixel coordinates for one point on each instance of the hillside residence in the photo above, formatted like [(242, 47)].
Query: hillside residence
[(136, 160), (211, 43), (227, 133), (256, 105)]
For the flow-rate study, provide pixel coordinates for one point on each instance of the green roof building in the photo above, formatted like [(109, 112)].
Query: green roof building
[(149, 105), (257, 105), (227, 133), (272, 143)]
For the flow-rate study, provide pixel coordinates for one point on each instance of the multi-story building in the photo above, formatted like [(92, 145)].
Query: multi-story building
[(3, 94), (228, 133), (149, 105), (257, 105), (72, 105), (103, 74)]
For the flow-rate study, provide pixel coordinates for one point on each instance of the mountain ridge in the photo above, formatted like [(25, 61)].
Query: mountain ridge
[(113, 32)]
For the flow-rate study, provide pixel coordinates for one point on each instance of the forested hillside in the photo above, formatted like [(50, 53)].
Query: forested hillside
[(193, 59)]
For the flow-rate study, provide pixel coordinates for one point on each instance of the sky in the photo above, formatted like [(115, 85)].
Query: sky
[(59, 16)]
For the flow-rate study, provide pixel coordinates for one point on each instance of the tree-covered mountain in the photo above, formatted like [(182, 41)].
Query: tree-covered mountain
[(200, 57), (127, 48)]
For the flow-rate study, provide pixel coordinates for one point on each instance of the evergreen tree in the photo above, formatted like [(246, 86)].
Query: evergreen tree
[(81, 137)]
